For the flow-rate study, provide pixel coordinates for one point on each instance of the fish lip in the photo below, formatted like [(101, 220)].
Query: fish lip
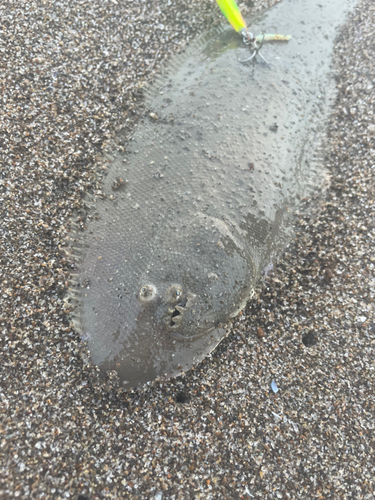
[(180, 309), (176, 320), (176, 316), (176, 313)]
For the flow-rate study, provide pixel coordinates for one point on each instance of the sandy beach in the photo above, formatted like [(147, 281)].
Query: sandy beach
[(285, 405)]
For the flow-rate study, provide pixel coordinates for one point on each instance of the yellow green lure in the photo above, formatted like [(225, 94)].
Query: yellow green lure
[(231, 11)]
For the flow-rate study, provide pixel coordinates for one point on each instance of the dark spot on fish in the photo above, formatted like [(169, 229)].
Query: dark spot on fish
[(274, 127)]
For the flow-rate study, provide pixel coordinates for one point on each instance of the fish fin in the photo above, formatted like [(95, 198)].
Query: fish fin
[(153, 88)]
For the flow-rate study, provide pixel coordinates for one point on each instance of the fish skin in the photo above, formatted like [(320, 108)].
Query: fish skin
[(210, 187)]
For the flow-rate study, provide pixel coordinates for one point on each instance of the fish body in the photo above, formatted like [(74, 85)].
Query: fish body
[(213, 173)]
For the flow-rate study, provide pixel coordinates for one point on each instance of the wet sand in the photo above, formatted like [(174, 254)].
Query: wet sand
[(71, 76)]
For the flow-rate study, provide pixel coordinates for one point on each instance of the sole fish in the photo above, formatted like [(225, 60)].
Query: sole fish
[(212, 174)]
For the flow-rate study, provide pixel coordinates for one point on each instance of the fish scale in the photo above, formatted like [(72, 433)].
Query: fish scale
[(213, 173)]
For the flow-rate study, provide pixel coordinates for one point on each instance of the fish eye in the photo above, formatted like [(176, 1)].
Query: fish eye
[(147, 293), (175, 293)]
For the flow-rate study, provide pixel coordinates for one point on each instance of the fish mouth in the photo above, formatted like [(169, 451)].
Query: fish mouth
[(177, 314), (179, 321)]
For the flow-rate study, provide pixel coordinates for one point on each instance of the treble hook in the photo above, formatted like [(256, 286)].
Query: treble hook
[(250, 40)]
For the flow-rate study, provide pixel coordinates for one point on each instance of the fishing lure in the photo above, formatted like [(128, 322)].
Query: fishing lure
[(231, 11)]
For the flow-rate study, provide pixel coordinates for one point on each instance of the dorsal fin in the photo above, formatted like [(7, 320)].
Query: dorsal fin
[(152, 88)]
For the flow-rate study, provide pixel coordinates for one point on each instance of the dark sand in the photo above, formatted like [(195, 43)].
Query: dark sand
[(70, 76)]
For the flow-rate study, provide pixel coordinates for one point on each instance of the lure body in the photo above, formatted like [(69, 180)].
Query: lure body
[(211, 186), (231, 11)]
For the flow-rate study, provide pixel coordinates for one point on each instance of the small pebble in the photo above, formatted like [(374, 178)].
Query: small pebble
[(260, 332)]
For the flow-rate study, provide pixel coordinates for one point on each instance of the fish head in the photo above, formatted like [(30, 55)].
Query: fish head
[(172, 298)]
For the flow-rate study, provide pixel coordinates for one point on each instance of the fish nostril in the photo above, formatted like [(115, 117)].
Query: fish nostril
[(182, 303)]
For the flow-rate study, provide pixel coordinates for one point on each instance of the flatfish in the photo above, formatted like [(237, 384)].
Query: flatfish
[(202, 200)]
